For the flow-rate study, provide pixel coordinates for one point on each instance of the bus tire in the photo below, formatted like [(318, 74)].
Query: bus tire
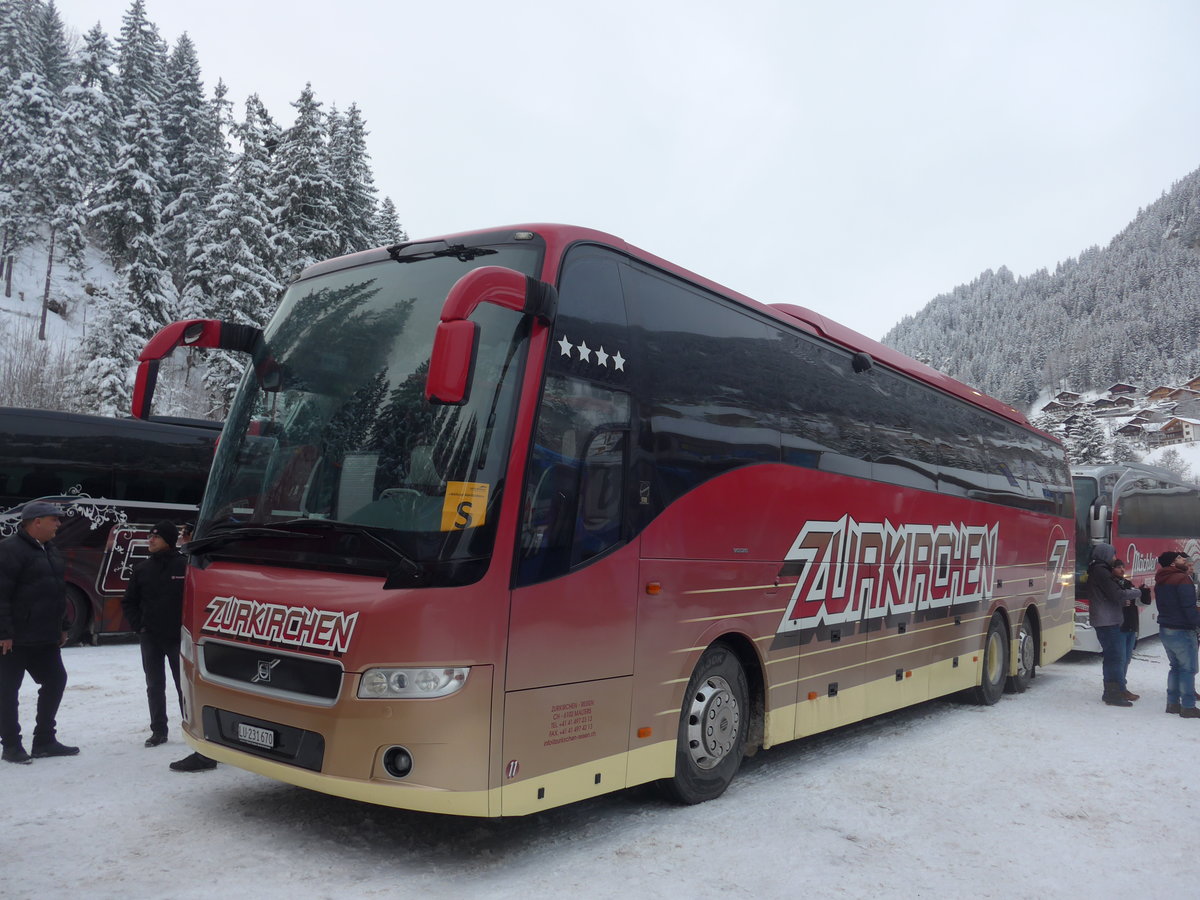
[(79, 613), (995, 664), (1026, 659), (713, 724)]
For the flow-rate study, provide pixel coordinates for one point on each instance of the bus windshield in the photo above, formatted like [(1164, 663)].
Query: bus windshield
[(332, 458)]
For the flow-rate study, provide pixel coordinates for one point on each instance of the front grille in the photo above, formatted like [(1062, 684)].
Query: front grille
[(268, 671)]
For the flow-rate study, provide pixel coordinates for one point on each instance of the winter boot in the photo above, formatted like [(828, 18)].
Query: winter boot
[(1114, 694), (16, 754), (1189, 712), (1173, 709), (195, 763), (53, 748)]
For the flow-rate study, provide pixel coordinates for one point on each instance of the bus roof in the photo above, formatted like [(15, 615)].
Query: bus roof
[(559, 238)]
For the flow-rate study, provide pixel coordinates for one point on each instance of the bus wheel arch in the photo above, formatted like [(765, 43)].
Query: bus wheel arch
[(80, 607), (714, 723), (1025, 663), (994, 671), (752, 666)]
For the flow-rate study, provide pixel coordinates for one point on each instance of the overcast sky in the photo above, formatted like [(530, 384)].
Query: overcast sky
[(858, 158)]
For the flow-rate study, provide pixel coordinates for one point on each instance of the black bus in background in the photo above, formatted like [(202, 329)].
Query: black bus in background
[(115, 478)]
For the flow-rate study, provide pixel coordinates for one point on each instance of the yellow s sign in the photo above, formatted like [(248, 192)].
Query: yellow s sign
[(465, 505)]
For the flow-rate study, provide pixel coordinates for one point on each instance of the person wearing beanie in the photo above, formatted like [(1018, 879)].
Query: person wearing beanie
[(33, 628), (1132, 623), (1106, 603), (1178, 621), (153, 604)]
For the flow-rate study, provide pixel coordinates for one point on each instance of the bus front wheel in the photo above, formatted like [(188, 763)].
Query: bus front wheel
[(713, 724), (995, 664)]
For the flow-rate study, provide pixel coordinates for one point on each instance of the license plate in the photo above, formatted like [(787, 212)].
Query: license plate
[(259, 737)]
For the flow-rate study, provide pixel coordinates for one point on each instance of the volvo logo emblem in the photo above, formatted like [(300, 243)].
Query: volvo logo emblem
[(264, 671)]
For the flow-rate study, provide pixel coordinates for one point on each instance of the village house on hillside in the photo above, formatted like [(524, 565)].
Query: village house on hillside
[(1165, 414), (1176, 430)]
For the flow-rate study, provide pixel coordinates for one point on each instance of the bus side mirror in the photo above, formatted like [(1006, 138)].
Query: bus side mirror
[(452, 363), (1099, 532), (186, 333), (452, 360)]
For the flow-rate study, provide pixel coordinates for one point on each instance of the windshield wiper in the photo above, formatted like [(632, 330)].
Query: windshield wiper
[(406, 253), (231, 535), (408, 572)]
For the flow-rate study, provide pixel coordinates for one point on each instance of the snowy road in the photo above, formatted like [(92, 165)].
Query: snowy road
[(1046, 794)]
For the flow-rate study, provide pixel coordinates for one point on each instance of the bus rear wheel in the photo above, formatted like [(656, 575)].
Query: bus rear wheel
[(79, 610), (1026, 659), (713, 724), (995, 664)]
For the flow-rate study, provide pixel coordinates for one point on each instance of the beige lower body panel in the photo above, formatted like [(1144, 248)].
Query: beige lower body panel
[(402, 796), (567, 743), (1057, 641)]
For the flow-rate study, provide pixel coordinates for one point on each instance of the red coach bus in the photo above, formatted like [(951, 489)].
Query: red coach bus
[(508, 519), (1142, 511)]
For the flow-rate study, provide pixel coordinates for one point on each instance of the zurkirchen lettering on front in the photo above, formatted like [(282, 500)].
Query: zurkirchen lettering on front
[(296, 626)]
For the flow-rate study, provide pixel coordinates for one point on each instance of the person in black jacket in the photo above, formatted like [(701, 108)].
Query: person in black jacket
[(1131, 626), (33, 628), (153, 604), (1178, 622), (194, 762), (1106, 600)]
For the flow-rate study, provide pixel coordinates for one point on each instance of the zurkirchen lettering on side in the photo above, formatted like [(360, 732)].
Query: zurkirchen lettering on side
[(848, 570)]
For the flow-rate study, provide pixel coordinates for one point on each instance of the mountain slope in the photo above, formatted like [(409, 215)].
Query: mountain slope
[(1124, 312)]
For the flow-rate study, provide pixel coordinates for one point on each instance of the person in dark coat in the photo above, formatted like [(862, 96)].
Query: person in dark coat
[(1131, 626), (194, 762), (33, 628), (1106, 603), (153, 604), (1178, 621)]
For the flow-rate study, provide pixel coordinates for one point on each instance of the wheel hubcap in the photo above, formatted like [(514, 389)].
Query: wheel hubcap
[(1024, 652), (992, 660), (714, 722)]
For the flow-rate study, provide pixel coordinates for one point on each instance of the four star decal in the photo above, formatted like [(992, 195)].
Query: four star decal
[(585, 354)]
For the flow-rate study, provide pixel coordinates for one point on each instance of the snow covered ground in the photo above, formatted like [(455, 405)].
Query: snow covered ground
[(1046, 794)]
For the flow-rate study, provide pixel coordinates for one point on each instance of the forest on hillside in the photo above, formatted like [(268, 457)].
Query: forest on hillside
[(1124, 312), (113, 148)]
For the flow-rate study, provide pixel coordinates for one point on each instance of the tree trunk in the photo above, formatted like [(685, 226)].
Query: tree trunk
[(46, 292), (6, 263)]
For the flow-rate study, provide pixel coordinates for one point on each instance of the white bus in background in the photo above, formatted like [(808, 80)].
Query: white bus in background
[(1142, 511)]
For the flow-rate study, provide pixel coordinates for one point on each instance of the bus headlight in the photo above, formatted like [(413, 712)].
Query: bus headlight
[(186, 647), (392, 684)]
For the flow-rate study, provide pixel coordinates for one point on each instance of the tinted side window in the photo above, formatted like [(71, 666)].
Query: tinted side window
[(43, 453), (705, 392), (819, 403), (905, 446), (1166, 513), (591, 337), (162, 467), (573, 493)]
